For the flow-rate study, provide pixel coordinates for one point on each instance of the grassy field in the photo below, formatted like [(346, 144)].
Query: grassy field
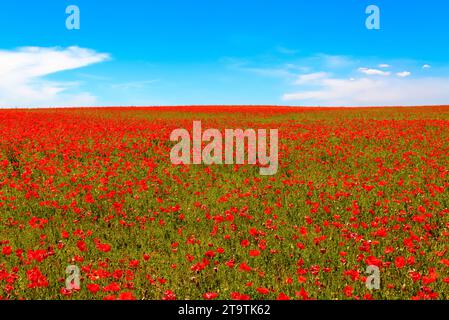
[(95, 188)]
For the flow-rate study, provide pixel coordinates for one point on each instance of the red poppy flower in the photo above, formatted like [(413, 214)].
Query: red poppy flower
[(81, 246), (283, 296), (244, 243), (114, 287), (93, 287), (244, 267), (126, 296), (210, 295), (103, 247), (169, 295), (6, 250), (348, 291), (239, 296), (230, 264), (254, 253), (399, 262), (263, 290)]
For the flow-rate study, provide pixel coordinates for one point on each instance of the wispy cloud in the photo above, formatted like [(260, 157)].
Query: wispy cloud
[(23, 72), (336, 80), (364, 86), (374, 72), (374, 92), (311, 77), (334, 61), (290, 71), (404, 74)]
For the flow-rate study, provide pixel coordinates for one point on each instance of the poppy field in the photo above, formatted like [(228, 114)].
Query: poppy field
[(94, 188)]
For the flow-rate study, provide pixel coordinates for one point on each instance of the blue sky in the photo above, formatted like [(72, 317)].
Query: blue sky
[(177, 52)]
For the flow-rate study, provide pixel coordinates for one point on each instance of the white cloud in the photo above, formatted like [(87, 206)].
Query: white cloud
[(374, 72), (334, 61), (290, 71), (374, 92), (311, 77), (325, 80), (23, 72), (403, 74)]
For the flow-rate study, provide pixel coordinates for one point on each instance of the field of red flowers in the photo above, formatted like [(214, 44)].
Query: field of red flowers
[(95, 188)]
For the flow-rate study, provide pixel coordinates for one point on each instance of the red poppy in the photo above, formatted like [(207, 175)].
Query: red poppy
[(263, 291), (244, 243), (6, 250), (254, 253), (81, 246), (210, 295), (399, 262), (348, 291), (244, 267), (239, 296), (283, 296), (169, 295), (126, 296), (93, 287)]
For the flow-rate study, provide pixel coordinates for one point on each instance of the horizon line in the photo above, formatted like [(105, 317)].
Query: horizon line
[(225, 105)]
